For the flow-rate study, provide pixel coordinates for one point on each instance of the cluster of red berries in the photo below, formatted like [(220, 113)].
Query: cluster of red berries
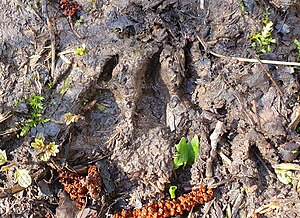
[(170, 208), (80, 187), (70, 7)]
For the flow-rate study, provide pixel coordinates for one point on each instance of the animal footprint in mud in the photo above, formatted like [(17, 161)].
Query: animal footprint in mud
[(172, 74)]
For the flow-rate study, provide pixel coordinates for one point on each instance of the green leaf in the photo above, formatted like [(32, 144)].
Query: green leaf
[(172, 191), (195, 147), (261, 41), (181, 157), (38, 145), (65, 85), (80, 51), (3, 157), (71, 118), (186, 152), (101, 107), (52, 150), (284, 176), (23, 178)]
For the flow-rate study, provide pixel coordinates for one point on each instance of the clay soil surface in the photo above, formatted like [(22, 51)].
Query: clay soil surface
[(150, 73)]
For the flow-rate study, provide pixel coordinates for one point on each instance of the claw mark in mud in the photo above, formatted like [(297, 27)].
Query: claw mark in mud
[(108, 68), (127, 83), (151, 105)]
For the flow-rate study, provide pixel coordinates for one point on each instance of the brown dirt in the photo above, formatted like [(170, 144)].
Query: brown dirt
[(153, 82)]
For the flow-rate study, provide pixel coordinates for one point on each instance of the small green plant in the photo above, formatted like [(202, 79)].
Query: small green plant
[(297, 43), (172, 191), (44, 151), (266, 15), (71, 118), (187, 152), (284, 176), (21, 176), (262, 41), (79, 21), (80, 50), (16, 102), (35, 117), (65, 85), (242, 5), (85, 102), (101, 107), (3, 157)]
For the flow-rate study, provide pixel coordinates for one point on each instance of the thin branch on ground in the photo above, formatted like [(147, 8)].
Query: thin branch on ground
[(51, 34), (249, 60)]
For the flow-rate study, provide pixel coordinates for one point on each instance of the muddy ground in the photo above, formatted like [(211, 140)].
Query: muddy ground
[(150, 75)]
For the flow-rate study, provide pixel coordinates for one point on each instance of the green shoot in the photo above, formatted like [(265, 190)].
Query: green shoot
[(101, 107), (80, 50), (284, 176), (266, 15), (85, 102), (297, 43), (35, 117), (172, 191), (16, 102), (65, 85), (3, 157), (79, 21), (187, 152), (23, 178), (262, 41), (242, 5), (44, 151), (71, 118)]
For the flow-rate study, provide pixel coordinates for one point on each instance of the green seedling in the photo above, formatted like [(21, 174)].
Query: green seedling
[(266, 15), (284, 176), (79, 21), (50, 85), (101, 107), (288, 173), (292, 104), (172, 191), (65, 85), (297, 43), (262, 41), (3, 157), (35, 117), (44, 151), (187, 152), (16, 102), (71, 118), (21, 176), (85, 102), (80, 50), (242, 5)]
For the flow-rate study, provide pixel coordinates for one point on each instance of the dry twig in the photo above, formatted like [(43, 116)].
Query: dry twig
[(249, 60)]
